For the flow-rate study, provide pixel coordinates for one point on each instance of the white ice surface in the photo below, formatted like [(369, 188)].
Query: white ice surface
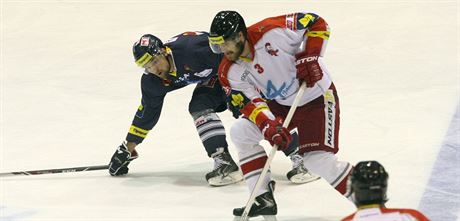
[(69, 90)]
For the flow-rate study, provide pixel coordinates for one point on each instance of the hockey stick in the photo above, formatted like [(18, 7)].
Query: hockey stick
[(62, 170), (244, 216)]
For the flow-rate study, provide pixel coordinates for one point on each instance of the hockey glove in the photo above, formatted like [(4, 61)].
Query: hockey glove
[(120, 160), (275, 133), (234, 109), (308, 68), (235, 101)]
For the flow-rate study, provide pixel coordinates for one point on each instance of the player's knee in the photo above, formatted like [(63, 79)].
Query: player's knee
[(243, 133), (195, 106), (326, 165), (201, 102), (202, 113), (236, 131)]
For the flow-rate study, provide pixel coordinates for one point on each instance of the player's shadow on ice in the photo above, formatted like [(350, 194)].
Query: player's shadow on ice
[(306, 219), (180, 175), (193, 175), (186, 178)]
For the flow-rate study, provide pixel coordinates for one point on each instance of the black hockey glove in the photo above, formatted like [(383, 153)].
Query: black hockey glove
[(235, 101), (120, 160), (235, 110)]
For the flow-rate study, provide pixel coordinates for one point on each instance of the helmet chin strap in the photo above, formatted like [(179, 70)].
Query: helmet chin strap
[(168, 55)]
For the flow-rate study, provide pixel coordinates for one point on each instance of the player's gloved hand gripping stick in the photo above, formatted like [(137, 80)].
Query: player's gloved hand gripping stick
[(244, 216)]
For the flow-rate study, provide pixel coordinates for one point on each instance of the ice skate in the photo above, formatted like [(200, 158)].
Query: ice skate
[(264, 205), (299, 174), (225, 170)]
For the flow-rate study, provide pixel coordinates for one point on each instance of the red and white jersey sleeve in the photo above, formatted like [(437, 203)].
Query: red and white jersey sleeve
[(274, 43), (385, 214)]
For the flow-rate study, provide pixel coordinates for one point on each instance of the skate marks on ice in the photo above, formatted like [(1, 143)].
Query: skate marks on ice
[(191, 175), (441, 199), (290, 218), (309, 219), (15, 214), (135, 177), (90, 175)]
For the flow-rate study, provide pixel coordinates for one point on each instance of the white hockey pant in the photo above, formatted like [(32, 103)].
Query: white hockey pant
[(246, 137)]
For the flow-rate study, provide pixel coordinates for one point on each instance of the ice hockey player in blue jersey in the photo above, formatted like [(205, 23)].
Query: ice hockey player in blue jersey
[(183, 60)]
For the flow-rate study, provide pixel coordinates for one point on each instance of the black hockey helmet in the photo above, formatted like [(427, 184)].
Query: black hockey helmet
[(225, 24), (146, 48), (368, 183)]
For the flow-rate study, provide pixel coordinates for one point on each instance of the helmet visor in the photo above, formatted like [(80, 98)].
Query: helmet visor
[(220, 44), (144, 59), (215, 44)]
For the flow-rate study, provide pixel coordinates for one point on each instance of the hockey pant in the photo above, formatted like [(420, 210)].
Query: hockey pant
[(252, 157)]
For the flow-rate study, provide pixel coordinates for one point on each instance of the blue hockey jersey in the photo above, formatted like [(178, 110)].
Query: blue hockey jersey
[(194, 63)]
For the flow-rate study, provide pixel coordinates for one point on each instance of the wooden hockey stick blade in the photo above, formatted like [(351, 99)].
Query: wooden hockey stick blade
[(61, 170)]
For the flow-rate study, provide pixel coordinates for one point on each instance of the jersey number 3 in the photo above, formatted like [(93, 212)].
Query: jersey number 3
[(259, 68)]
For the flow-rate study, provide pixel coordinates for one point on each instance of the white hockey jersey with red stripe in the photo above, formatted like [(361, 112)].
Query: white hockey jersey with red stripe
[(274, 43), (385, 214)]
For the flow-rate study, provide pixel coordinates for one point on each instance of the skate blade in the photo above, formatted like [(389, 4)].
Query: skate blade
[(266, 218), (231, 178), (302, 178)]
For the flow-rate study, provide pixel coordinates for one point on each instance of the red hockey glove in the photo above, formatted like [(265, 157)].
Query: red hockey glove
[(308, 68), (275, 133)]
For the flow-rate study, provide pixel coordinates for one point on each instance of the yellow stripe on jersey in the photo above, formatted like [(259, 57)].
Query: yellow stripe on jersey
[(144, 59), (138, 131), (320, 34), (256, 113), (245, 59), (173, 73), (369, 206)]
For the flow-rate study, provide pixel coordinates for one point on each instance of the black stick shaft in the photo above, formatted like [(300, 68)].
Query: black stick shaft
[(61, 170)]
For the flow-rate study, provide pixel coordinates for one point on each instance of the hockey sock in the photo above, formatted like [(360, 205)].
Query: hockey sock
[(252, 166), (211, 132)]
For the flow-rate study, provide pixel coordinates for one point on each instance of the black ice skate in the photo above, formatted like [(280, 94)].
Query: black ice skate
[(264, 205), (299, 174), (225, 170)]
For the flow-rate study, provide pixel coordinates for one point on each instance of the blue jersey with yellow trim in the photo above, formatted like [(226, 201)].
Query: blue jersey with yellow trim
[(193, 59), (194, 62)]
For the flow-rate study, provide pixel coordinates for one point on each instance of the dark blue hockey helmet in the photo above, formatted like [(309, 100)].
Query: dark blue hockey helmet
[(226, 24), (146, 48), (368, 183)]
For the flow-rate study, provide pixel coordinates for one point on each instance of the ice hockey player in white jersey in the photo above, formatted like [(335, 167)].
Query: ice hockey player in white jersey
[(367, 186), (262, 71)]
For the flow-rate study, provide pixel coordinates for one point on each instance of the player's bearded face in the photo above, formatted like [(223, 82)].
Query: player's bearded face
[(233, 48)]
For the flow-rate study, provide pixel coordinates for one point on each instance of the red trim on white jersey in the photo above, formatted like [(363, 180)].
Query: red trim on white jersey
[(255, 33), (224, 66), (274, 29), (257, 30)]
